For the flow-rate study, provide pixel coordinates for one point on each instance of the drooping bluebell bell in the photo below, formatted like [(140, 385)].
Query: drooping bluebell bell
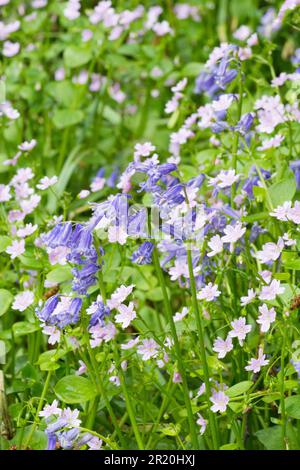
[(244, 124), (143, 255), (113, 178), (60, 311), (253, 180), (216, 78), (84, 277), (98, 311), (255, 231), (295, 166), (59, 235), (51, 441), (68, 438), (296, 364), (137, 223)]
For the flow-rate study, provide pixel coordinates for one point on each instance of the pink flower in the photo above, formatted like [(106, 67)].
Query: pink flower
[(239, 329), (10, 49), (176, 378), (97, 184), (126, 315), (209, 292), (148, 349), (273, 142), (179, 316), (248, 298), (4, 193), (294, 213), (233, 233), (46, 182), (216, 245), (53, 332), (202, 423), (95, 443), (223, 346), (29, 229), (50, 410), (23, 300), (83, 194), (271, 251), (28, 205), (117, 234), (22, 175), (143, 150), (219, 401), (58, 255), (266, 317), (82, 369), (102, 333), (269, 292), (16, 249), (27, 146), (282, 212), (130, 344), (118, 297), (256, 364)]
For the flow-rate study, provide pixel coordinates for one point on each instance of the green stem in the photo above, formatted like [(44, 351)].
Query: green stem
[(39, 408), (282, 398), (181, 366), (130, 411), (102, 392), (212, 421), (236, 137)]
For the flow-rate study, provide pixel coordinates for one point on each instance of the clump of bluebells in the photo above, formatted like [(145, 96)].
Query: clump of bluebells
[(149, 227)]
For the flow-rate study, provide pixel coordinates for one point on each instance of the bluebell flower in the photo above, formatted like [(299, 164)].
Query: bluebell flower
[(59, 235), (56, 426), (217, 78), (137, 224), (60, 311), (98, 312), (113, 178), (296, 364), (51, 444), (295, 166), (143, 255), (48, 308), (67, 438), (255, 231), (244, 124)]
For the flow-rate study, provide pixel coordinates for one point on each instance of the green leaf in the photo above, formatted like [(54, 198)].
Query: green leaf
[(59, 275), (239, 388), (292, 263), (4, 243), (76, 56), (192, 69), (232, 446), (75, 389), (2, 91), (111, 115), (38, 440), (271, 437), (5, 300), (30, 260), (170, 429), (283, 191), (63, 118), (63, 92), (22, 328), (48, 360), (292, 406), (259, 193)]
